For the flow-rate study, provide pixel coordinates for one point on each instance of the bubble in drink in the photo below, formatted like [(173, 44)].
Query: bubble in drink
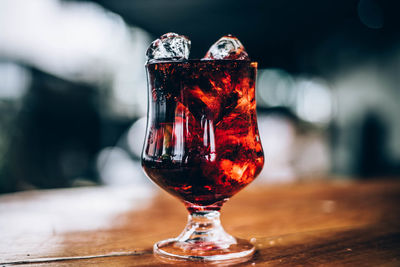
[(170, 46), (228, 47)]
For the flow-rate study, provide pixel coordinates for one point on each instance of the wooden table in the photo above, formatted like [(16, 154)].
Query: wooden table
[(337, 223)]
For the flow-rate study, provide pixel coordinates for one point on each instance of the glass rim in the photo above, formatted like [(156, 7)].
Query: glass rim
[(191, 61)]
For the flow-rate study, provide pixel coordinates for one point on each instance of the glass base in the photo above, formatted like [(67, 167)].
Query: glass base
[(173, 249), (204, 239)]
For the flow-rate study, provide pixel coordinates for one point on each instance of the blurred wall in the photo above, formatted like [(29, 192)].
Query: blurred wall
[(73, 85)]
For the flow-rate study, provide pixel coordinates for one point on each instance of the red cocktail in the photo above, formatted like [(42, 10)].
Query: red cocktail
[(202, 145)]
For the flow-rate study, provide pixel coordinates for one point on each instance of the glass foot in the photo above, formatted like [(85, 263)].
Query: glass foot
[(172, 249), (204, 239)]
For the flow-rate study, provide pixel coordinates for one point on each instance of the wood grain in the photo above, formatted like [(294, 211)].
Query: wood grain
[(315, 224)]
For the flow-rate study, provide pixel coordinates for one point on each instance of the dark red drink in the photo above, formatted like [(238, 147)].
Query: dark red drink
[(202, 143)]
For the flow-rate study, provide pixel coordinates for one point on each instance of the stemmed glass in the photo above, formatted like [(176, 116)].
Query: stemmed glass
[(202, 145)]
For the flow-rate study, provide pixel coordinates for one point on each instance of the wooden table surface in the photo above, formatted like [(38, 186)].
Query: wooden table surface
[(336, 223)]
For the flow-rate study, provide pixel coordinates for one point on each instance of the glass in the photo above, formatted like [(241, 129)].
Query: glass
[(202, 145)]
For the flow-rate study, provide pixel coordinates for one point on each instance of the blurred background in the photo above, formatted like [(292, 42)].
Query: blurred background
[(73, 90)]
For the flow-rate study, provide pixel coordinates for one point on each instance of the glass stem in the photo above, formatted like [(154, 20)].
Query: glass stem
[(204, 231)]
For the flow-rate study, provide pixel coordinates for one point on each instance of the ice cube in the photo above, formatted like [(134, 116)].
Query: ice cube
[(228, 47), (169, 46)]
